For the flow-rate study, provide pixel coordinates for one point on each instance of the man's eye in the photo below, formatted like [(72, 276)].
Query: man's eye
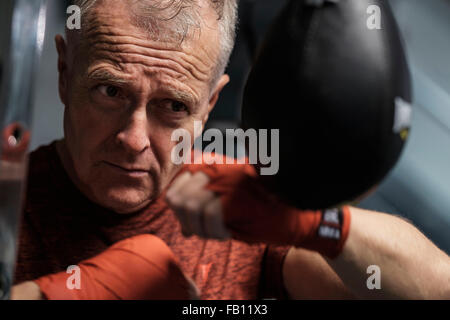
[(109, 91), (175, 106), (178, 106)]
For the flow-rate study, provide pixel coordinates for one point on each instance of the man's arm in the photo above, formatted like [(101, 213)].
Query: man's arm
[(26, 291), (411, 266), (307, 275), (138, 268)]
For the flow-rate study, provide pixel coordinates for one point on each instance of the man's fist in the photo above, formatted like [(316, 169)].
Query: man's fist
[(139, 268), (198, 209), (228, 200)]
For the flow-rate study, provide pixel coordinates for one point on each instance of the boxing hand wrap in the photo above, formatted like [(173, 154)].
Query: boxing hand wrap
[(138, 268), (252, 214)]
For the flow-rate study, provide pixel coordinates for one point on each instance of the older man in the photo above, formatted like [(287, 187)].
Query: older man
[(135, 72)]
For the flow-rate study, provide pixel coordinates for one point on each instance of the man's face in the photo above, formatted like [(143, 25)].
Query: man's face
[(124, 95)]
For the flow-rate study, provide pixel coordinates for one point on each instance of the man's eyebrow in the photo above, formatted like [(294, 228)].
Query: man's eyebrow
[(181, 95), (103, 75)]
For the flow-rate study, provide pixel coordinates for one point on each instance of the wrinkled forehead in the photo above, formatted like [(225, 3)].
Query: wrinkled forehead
[(192, 30)]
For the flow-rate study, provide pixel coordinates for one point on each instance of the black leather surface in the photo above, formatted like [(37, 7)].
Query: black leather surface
[(329, 84)]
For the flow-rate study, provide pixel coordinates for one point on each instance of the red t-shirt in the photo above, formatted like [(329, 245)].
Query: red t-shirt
[(61, 227)]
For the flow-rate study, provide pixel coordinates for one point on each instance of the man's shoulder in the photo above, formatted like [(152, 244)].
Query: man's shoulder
[(46, 175), (42, 160)]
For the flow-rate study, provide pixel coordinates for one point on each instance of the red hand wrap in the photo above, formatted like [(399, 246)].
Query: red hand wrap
[(139, 268), (252, 214)]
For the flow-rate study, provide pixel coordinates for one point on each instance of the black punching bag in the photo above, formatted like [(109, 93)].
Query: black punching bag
[(338, 89)]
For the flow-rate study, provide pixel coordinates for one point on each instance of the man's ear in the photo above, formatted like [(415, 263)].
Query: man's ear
[(62, 67), (223, 81)]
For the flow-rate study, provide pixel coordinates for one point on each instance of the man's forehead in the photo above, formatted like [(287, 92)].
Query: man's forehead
[(175, 27), (111, 23)]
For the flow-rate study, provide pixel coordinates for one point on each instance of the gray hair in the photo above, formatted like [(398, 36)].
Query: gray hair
[(182, 16)]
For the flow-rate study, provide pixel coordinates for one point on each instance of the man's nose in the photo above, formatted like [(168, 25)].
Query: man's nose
[(134, 137)]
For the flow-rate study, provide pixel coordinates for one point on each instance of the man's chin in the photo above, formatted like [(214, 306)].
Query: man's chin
[(125, 203)]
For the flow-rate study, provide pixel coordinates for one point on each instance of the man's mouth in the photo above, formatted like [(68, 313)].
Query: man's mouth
[(127, 170)]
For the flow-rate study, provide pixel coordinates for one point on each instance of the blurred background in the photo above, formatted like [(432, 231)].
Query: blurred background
[(419, 186)]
